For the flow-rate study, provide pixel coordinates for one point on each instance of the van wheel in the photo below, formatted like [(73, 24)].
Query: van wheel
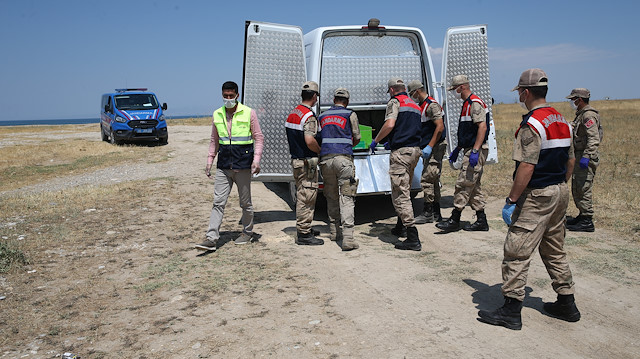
[(112, 138), (103, 135), (163, 141)]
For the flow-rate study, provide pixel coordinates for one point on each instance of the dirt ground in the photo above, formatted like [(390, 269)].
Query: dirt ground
[(134, 287)]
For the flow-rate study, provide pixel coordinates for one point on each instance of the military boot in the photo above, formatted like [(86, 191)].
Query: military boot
[(564, 308), (585, 224), (348, 242), (437, 216), (399, 230), (573, 220), (480, 224), (452, 224), (335, 231), (412, 243), (308, 239), (427, 214), (507, 316)]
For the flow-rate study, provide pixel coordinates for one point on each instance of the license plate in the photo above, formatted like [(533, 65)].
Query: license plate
[(144, 130)]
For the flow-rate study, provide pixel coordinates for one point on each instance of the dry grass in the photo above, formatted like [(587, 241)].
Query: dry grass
[(190, 121), (27, 158), (617, 182)]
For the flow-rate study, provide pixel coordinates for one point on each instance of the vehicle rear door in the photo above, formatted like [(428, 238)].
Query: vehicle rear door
[(466, 52), (273, 74)]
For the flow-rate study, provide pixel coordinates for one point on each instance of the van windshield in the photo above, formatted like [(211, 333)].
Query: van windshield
[(363, 63), (145, 101)]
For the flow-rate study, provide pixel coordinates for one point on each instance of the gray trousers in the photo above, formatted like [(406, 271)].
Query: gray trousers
[(224, 181)]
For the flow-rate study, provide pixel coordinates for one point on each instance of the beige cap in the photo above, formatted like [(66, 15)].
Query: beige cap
[(341, 92), (579, 92), (457, 81), (414, 85), (395, 81), (310, 86), (532, 78)]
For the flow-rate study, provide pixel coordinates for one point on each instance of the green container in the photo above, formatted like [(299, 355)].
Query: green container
[(366, 138)]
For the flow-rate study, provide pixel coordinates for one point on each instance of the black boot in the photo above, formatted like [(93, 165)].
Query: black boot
[(452, 224), (573, 220), (585, 224), (480, 224), (564, 308), (507, 316), (308, 239), (399, 230), (427, 214), (412, 243), (437, 216)]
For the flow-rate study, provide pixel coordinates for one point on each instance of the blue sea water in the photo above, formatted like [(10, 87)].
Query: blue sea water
[(70, 121)]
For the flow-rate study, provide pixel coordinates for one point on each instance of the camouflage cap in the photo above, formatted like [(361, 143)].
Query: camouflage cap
[(414, 85), (579, 92), (310, 86), (532, 78), (457, 81), (341, 92)]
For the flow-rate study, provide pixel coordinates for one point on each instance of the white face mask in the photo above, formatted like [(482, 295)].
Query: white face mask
[(458, 94), (522, 104), (573, 104), (229, 102)]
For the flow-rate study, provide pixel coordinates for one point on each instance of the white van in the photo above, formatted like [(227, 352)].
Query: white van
[(278, 59)]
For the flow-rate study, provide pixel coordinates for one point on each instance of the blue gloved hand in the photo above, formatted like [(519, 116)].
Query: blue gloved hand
[(426, 152), (454, 155), (507, 212), (473, 159), (372, 146), (387, 146), (584, 163)]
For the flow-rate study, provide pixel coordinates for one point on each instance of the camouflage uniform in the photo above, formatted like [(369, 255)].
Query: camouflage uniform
[(587, 134), (538, 221), (305, 174), (432, 166)]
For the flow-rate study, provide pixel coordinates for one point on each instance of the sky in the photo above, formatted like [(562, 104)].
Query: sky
[(58, 57)]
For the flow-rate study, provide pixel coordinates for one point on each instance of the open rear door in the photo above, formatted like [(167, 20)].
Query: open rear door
[(466, 52), (274, 71)]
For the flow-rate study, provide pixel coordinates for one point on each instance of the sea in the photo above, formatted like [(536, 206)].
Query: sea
[(72, 121)]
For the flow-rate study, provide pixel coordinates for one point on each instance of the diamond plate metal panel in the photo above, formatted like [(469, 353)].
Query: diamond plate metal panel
[(364, 64), (274, 72), (467, 53)]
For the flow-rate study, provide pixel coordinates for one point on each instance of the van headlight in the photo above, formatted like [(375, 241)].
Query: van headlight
[(120, 119), (161, 118)]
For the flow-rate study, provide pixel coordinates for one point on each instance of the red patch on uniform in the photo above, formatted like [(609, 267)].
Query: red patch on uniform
[(589, 123)]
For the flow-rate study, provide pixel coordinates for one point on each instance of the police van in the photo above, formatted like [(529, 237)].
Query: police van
[(279, 58), (133, 115)]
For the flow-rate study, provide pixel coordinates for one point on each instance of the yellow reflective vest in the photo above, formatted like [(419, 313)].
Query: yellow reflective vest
[(236, 149)]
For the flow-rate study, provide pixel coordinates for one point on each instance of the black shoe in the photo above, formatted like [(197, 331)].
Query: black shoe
[(480, 224), (507, 316), (573, 220), (412, 243), (399, 230), (564, 308), (585, 224), (308, 240), (452, 224), (427, 214), (315, 232)]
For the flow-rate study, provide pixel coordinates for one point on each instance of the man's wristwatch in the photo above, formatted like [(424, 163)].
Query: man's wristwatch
[(509, 201), (474, 151)]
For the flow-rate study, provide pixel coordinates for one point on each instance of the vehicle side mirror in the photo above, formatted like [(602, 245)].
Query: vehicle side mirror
[(164, 106), (106, 108)]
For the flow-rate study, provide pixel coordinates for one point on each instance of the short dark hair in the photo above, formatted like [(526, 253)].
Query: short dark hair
[(585, 100), (341, 100), (538, 91), (307, 95), (230, 85)]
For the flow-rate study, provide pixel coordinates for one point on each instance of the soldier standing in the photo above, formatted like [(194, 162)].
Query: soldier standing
[(587, 135), (473, 132), (402, 124), (433, 148), (340, 131), (302, 127), (536, 206)]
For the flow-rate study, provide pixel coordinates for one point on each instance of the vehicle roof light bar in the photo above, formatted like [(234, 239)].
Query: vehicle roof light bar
[(138, 89)]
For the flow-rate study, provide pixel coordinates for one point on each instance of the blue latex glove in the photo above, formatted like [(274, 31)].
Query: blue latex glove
[(584, 163), (507, 212), (454, 155), (387, 146), (426, 152), (473, 159), (372, 146)]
